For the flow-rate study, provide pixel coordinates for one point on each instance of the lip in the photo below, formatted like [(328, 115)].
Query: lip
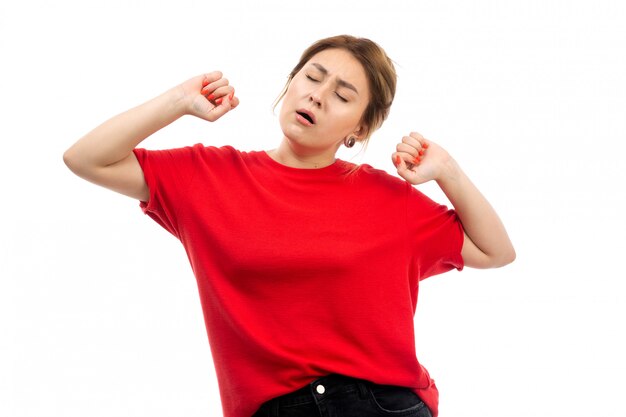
[(302, 120), (308, 112)]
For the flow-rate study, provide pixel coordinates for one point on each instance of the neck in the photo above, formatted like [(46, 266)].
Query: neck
[(286, 154)]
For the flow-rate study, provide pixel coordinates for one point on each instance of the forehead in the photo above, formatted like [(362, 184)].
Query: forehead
[(340, 64)]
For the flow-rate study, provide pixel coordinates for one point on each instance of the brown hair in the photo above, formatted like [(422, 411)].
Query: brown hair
[(378, 67)]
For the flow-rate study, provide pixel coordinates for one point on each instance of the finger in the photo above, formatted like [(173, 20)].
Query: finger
[(404, 169), (215, 90), (419, 144), (404, 160), (212, 86), (411, 160), (234, 101), (220, 109), (420, 148), (396, 159), (221, 94), (228, 99), (414, 136), (406, 148), (410, 140), (210, 77)]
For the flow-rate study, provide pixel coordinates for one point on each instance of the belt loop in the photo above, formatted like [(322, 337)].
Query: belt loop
[(363, 389)]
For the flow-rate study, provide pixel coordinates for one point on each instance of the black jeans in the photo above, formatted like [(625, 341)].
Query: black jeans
[(341, 396)]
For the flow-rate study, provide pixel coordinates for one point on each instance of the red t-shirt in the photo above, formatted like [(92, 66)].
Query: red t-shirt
[(301, 272)]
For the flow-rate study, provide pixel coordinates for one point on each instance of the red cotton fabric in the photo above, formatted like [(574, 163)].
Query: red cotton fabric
[(301, 272)]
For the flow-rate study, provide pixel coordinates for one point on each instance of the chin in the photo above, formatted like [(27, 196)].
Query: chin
[(291, 133)]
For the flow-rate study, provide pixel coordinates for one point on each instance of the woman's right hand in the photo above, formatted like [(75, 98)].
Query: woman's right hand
[(208, 96)]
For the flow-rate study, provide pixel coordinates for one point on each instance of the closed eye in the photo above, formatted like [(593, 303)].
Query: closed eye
[(314, 80)]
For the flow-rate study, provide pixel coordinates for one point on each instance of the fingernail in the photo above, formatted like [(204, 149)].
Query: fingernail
[(416, 160), (211, 97), (231, 95), (421, 152), (219, 100), (397, 160), (425, 146), (205, 83)]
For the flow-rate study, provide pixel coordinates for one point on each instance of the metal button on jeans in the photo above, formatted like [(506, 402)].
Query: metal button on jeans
[(320, 389)]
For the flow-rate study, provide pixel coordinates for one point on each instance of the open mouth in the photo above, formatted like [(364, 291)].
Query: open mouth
[(306, 116)]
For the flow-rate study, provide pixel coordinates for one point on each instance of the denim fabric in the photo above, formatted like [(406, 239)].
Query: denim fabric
[(341, 396)]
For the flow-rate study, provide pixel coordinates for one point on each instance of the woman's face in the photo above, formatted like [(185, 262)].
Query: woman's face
[(332, 86)]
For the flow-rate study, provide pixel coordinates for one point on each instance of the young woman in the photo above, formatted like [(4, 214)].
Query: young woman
[(308, 266)]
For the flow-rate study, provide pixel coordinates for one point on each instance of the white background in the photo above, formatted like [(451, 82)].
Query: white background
[(99, 312)]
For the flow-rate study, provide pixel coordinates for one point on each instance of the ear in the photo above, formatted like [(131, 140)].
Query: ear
[(360, 131)]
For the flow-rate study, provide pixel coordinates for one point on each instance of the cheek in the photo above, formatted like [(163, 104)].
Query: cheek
[(293, 89), (341, 124), (350, 117)]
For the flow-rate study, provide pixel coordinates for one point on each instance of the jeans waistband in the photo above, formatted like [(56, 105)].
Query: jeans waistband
[(322, 387)]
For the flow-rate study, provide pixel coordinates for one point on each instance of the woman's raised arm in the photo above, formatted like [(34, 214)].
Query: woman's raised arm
[(486, 244), (104, 156)]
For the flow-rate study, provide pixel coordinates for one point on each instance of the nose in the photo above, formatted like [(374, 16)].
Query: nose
[(318, 93), (315, 98)]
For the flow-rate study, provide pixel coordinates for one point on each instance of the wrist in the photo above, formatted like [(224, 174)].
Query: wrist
[(450, 173), (177, 101)]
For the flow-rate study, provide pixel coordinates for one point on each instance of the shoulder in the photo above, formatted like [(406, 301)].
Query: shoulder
[(195, 150), (215, 154), (380, 178), (415, 197), (202, 149)]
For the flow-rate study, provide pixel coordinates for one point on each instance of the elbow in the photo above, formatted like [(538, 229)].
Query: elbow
[(73, 162), (474, 257), (69, 161), (512, 256), (505, 258)]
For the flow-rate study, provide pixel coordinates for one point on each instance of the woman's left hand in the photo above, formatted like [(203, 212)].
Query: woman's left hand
[(419, 160)]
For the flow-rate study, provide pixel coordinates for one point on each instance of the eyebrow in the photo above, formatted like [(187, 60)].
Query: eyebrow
[(340, 82)]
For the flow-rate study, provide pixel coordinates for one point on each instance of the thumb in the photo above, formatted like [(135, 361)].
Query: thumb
[(224, 106)]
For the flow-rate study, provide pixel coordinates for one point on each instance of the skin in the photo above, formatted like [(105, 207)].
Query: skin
[(338, 110), (417, 160), (104, 156), (486, 242)]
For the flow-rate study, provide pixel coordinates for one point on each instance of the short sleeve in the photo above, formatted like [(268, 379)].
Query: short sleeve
[(436, 234), (168, 174)]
